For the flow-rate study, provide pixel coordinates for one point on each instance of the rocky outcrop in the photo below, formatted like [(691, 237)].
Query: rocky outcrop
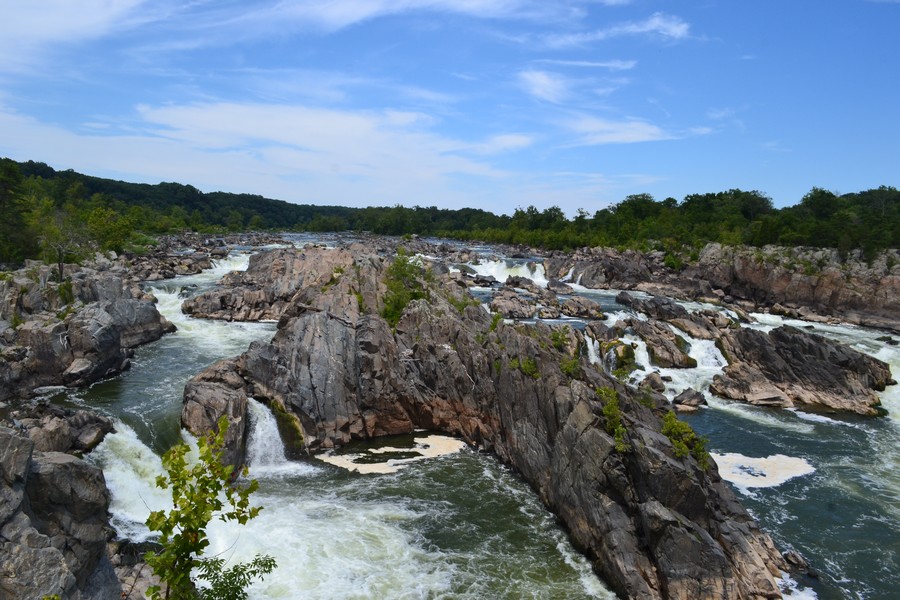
[(272, 282), (654, 525), (804, 282), (582, 308), (791, 368), (602, 268), (658, 307), (666, 349), (810, 278), (57, 429), (53, 524), (72, 334)]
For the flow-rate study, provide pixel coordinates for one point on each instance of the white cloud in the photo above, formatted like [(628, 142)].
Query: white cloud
[(28, 29), (593, 131), (503, 143), (658, 24), (543, 85), (295, 153), (612, 65), (337, 14)]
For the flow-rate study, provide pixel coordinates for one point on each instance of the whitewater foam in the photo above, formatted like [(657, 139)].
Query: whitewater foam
[(755, 472)]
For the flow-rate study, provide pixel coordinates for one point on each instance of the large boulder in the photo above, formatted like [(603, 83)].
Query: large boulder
[(73, 338), (273, 281), (54, 525), (790, 368)]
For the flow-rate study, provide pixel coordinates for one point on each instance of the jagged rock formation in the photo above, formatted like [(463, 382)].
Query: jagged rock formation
[(57, 429), (654, 525), (272, 282), (792, 368), (805, 281), (54, 525), (71, 335)]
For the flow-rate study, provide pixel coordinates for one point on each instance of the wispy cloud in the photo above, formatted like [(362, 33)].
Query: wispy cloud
[(544, 85), (338, 14), (659, 24), (340, 156), (502, 143), (593, 131), (28, 29), (612, 65)]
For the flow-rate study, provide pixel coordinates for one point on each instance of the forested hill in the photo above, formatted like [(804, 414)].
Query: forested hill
[(40, 204)]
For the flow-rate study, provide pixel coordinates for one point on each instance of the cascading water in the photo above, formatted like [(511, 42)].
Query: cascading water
[(501, 269), (826, 486), (460, 526)]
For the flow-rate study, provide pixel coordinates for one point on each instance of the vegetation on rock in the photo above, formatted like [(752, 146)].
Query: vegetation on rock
[(612, 414), (685, 440), (404, 281)]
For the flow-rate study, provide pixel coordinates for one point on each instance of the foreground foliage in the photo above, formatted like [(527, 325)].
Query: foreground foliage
[(201, 492), (685, 440)]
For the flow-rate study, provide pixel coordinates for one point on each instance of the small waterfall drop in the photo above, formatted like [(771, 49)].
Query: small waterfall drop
[(265, 448)]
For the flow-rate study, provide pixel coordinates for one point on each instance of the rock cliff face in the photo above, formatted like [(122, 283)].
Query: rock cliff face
[(654, 524), (808, 281), (806, 277), (53, 524)]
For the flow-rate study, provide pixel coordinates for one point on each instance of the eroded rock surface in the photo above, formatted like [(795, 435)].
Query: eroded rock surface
[(791, 368), (54, 524)]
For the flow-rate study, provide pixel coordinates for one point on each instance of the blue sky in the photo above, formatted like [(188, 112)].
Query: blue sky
[(492, 104)]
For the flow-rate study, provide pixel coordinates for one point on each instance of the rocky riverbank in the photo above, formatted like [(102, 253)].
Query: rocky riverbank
[(638, 495), (806, 283), (648, 507)]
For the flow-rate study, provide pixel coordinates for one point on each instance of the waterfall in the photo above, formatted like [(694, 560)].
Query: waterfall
[(265, 449)]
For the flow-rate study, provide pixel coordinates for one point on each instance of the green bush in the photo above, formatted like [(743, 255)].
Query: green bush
[(403, 281), (685, 440), (612, 415), (66, 295), (571, 366)]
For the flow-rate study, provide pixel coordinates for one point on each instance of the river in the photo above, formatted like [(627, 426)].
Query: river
[(458, 526), (461, 525)]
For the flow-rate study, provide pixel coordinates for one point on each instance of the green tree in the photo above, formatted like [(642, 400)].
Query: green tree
[(61, 232), (15, 241), (201, 492)]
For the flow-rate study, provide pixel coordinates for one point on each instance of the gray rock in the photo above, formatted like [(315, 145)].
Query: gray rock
[(53, 525), (790, 368)]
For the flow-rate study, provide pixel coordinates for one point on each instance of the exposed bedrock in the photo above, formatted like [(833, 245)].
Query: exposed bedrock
[(71, 341), (804, 281), (54, 524), (789, 368), (654, 525), (273, 281)]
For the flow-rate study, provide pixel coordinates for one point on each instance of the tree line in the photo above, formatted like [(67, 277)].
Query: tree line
[(58, 215)]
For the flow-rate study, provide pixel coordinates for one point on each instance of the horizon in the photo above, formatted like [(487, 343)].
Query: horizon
[(481, 104)]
